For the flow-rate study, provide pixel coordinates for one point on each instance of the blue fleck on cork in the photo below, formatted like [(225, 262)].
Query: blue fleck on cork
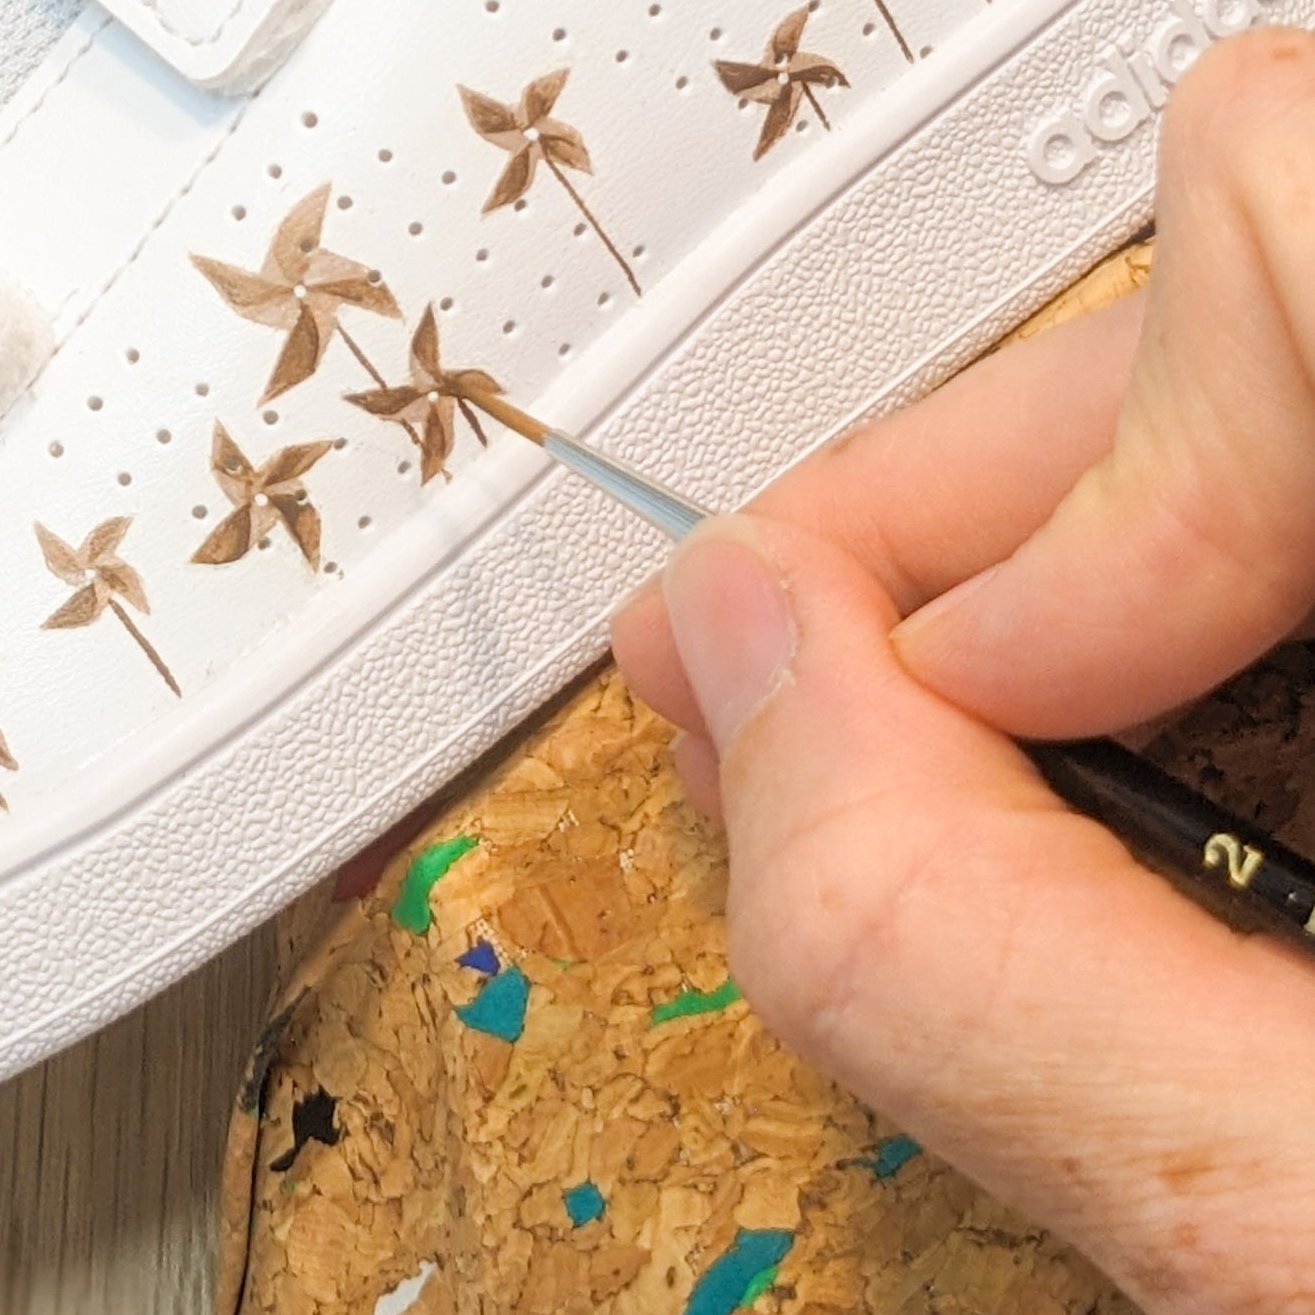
[(482, 957), (742, 1274), (584, 1203), (499, 1008)]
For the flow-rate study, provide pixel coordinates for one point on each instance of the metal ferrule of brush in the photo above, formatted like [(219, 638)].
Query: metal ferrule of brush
[(674, 515)]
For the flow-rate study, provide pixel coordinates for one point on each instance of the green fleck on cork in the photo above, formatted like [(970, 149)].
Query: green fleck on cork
[(688, 1003), (428, 868), (741, 1275), (760, 1283), (584, 1203), (499, 1008)]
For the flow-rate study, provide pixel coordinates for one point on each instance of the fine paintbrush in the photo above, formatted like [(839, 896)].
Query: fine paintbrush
[(1235, 869)]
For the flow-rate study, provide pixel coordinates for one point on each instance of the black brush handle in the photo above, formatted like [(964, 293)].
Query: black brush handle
[(1230, 865)]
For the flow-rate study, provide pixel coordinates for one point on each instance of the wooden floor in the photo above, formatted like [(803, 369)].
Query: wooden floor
[(110, 1152)]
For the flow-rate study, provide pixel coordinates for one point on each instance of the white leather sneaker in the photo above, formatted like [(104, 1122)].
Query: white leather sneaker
[(268, 580)]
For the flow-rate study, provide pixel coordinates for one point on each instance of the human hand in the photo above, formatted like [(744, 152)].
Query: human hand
[(1079, 533)]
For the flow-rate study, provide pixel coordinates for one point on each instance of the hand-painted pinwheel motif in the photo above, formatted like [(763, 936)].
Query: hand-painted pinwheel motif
[(784, 78), (101, 578), (529, 135), (428, 405), (263, 498), (301, 288)]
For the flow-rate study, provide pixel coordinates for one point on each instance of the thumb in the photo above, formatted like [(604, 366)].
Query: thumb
[(1190, 549)]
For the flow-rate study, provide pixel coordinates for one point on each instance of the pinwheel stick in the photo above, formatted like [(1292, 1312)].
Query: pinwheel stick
[(894, 30), (817, 107), (145, 645), (593, 222), (368, 366)]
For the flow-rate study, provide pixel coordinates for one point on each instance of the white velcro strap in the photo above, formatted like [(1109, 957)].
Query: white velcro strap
[(26, 340), (225, 45)]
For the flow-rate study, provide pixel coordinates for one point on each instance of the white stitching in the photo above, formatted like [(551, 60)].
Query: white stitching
[(40, 103), (145, 238), (195, 41)]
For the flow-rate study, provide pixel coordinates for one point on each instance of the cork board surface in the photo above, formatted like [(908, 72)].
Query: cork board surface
[(514, 1078)]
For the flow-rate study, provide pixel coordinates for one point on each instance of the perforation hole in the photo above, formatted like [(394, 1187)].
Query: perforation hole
[(622, 56), (364, 523), (509, 327), (869, 29), (132, 356), (239, 212), (654, 10), (270, 417), (415, 228), (581, 229), (200, 512), (203, 390), (547, 281), (403, 467), (715, 34), (491, 6), (339, 444), (682, 82), (163, 436), (56, 450), (345, 203), (604, 298), (385, 155), (95, 403), (446, 304), (639, 252), (520, 204), (124, 479), (331, 568), (263, 544), (482, 254), (564, 349), (310, 119), (449, 177), (559, 34), (375, 276), (274, 170)]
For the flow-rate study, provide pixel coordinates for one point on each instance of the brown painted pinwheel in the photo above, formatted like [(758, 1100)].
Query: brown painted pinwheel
[(784, 78), (301, 288), (529, 135), (263, 498), (427, 406), (101, 578), (10, 764)]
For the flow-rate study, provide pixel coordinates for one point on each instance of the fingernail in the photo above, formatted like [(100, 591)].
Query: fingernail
[(732, 622), (914, 628)]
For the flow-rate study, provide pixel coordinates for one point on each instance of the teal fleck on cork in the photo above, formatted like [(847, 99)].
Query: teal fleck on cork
[(742, 1274), (584, 1203), (689, 1003), (499, 1008), (428, 868), (892, 1155)]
